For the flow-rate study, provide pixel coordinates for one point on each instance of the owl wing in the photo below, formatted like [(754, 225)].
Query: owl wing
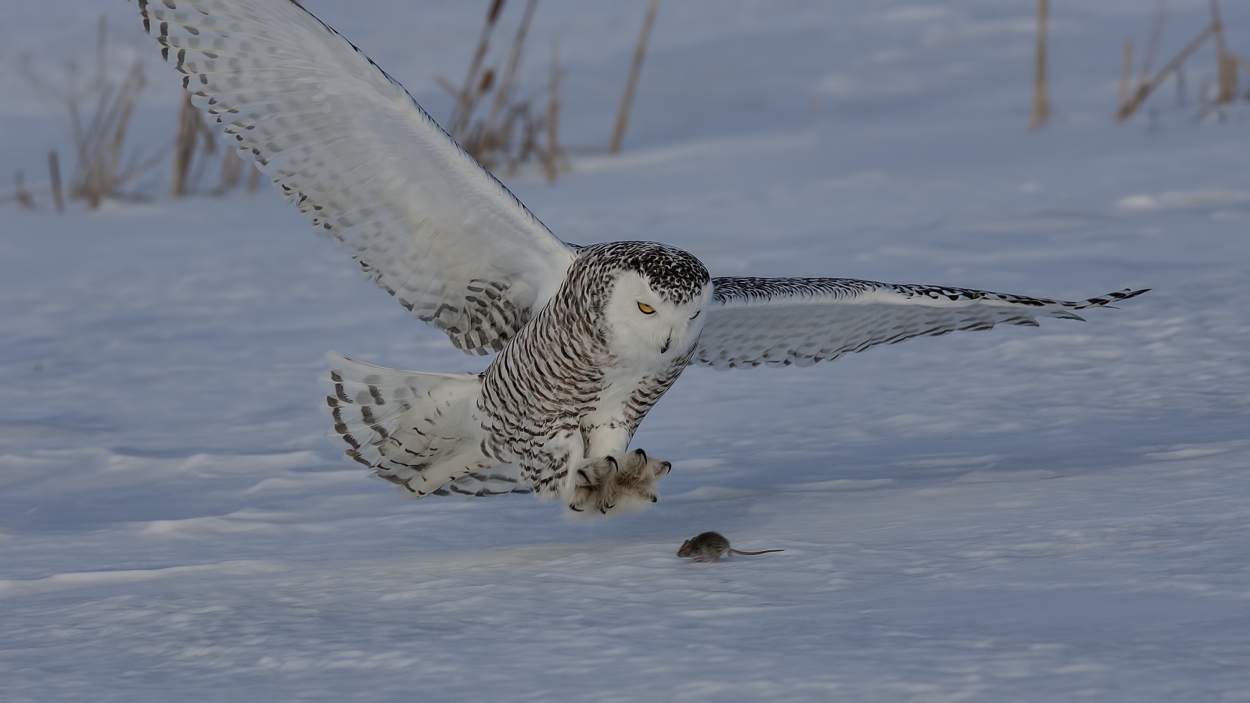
[(799, 321), (496, 481), (365, 164)]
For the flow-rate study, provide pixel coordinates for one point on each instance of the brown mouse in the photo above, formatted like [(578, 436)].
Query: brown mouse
[(709, 546)]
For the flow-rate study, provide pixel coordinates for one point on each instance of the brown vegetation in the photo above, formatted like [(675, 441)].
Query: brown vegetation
[(1228, 64), (103, 165), (512, 132)]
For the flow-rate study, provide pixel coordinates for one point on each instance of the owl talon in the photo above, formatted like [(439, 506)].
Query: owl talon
[(612, 486)]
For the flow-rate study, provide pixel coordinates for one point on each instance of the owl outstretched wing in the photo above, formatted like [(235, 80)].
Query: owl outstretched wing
[(365, 164), (800, 321)]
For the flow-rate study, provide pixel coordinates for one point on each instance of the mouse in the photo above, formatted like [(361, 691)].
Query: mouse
[(710, 546)]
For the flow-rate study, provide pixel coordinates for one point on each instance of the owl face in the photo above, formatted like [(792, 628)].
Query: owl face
[(646, 324)]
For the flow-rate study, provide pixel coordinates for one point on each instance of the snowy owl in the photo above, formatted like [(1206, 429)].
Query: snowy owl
[(588, 338)]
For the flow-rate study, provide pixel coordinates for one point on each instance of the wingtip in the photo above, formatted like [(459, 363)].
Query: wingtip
[(1106, 301)]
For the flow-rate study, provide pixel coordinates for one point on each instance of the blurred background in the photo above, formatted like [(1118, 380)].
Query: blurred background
[(711, 70)]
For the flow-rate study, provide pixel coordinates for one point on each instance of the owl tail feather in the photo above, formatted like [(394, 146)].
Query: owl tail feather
[(416, 430)]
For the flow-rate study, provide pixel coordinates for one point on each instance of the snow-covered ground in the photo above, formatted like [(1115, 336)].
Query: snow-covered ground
[(1024, 514)]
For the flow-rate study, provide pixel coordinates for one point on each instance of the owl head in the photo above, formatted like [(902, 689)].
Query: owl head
[(654, 308)]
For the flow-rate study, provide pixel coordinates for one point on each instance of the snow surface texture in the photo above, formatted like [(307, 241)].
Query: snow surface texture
[(1024, 514)]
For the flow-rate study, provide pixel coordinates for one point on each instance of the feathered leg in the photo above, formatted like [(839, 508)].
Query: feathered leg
[(612, 486)]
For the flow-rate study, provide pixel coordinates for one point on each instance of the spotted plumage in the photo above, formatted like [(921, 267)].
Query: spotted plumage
[(587, 339), (539, 404)]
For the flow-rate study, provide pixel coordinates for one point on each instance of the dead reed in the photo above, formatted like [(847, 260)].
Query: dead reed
[(20, 195), (194, 144), (99, 112), (627, 100), (1228, 64), (54, 175), (512, 131), (1041, 100)]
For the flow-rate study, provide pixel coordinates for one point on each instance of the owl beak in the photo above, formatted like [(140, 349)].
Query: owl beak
[(667, 343)]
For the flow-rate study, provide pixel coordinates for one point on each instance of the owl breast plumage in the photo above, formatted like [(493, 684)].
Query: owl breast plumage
[(565, 378), (587, 338)]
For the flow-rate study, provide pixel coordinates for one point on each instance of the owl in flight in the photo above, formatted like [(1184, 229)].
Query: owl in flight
[(588, 338)]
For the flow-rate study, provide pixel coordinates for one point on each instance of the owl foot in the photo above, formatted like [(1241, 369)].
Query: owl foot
[(610, 486)]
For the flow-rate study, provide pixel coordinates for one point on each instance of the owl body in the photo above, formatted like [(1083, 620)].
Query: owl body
[(576, 381)]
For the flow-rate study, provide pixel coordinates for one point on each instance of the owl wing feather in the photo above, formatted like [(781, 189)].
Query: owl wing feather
[(365, 164), (496, 481), (800, 321)]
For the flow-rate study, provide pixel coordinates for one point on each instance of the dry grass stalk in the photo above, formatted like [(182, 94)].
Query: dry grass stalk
[(465, 101), (231, 169), (253, 181), (1144, 90), (20, 194), (512, 132), (503, 92), (54, 174), (1152, 47), (490, 140), (1041, 102), (1241, 63), (622, 114), (23, 196), (9, 197), (555, 160), (103, 167), (184, 145), (1126, 72), (193, 137), (1226, 62)]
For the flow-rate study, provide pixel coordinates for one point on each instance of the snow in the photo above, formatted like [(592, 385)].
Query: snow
[(1022, 514)]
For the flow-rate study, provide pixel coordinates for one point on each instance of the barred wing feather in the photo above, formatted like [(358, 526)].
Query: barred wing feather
[(365, 164), (800, 321)]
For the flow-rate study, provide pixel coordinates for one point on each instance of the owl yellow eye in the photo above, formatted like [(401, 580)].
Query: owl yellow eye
[(646, 309)]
